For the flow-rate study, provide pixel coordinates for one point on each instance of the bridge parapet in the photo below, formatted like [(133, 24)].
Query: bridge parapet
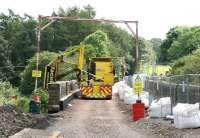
[(60, 94)]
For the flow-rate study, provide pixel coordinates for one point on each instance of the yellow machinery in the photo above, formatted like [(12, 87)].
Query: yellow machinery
[(53, 68), (100, 73), (100, 79)]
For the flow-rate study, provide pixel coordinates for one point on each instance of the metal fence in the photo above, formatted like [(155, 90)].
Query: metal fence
[(181, 88)]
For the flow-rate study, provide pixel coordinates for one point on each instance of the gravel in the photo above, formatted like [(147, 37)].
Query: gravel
[(94, 119)]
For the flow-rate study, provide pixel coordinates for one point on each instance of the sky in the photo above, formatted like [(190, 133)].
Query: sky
[(155, 17)]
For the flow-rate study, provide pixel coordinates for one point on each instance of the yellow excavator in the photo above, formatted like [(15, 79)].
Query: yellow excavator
[(99, 73), (52, 69)]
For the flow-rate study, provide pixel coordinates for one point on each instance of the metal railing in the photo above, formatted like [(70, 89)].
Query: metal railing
[(181, 88)]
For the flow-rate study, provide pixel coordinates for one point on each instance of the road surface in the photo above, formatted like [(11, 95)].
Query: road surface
[(94, 119)]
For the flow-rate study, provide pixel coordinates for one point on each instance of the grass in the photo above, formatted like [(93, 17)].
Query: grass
[(157, 69)]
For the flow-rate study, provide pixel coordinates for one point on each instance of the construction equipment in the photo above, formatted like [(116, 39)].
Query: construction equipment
[(52, 70), (99, 73), (100, 79)]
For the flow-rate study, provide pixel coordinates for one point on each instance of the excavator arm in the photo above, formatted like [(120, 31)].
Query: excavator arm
[(52, 69)]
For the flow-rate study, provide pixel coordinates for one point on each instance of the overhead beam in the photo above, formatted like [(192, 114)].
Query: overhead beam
[(56, 18), (84, 19)]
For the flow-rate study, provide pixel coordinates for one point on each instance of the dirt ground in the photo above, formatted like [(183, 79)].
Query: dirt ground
[(95, 119), (13, 120), (106, 119), (162, 128)]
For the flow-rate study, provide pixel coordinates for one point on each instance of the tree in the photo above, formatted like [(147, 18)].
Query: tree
[(6, 68), (187, 64), (180, 41), (156, 44), (172, 35), (19, 32), (20, 36), (187, 41), (27, 81), (100, 42)]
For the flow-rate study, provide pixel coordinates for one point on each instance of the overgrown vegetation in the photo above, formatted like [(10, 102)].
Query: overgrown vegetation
[(43, 94), (8, 94), (11, 95), (188, 64)]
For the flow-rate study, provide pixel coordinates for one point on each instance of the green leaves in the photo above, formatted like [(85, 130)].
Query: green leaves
[(99, 42), (188, 64), (180, 42), (27, 81), (6, 92)]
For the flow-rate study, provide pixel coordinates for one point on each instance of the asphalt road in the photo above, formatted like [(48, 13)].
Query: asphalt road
[(94, 119)]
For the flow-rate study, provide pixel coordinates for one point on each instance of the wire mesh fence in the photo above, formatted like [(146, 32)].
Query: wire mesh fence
[(181, 88)]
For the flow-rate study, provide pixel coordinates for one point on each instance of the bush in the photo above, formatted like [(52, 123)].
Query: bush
[(188, 64), (27, 81), (7, 92), (43, 94), (23, 103)]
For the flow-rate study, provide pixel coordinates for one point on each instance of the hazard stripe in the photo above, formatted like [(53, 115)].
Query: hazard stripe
[(87, 90)]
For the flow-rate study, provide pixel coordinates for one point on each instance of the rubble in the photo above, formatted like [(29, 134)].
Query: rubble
[(13, 120)]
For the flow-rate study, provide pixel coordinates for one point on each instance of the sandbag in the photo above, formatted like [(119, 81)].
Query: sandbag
[(160, 108)]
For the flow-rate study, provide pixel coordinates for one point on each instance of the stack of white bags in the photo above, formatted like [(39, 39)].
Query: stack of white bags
[(160, 108), (130, 98), (186, 115), (119, 88), (126, 93)]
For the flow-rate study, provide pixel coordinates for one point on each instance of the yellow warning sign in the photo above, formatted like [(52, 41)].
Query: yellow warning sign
[(36, 73), (138, 85)]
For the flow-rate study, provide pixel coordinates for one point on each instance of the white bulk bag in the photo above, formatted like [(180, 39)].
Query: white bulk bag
[(185, 109), (186, 115), (130, 98), (145, 98), (187, 121), (121, 88), (160, 108), (115, 88)]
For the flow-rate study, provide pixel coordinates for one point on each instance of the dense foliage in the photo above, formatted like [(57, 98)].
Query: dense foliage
[(99, 42), (18, 39), (7, 92), (156, 44), (180, 41), (27, 82), (188, 64)]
